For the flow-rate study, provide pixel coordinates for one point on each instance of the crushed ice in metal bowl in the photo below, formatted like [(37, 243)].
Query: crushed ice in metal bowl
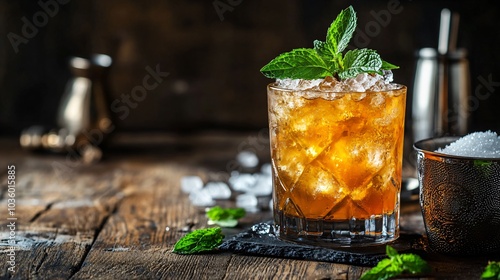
[(478, 145)]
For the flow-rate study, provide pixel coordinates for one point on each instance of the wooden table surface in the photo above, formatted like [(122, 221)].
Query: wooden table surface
[(108, 220)]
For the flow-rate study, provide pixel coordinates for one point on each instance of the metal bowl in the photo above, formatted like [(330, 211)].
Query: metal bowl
[(460, 200)]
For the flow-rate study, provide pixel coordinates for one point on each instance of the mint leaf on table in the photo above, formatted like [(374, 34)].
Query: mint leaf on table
[(391, 252), (297, 64), (492, 271), (395, 265), (225, 217), (326, 58), (224, 223), (218, 213), (199, 241)]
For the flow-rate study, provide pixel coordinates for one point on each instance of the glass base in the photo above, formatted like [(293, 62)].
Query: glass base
[(379, 229)]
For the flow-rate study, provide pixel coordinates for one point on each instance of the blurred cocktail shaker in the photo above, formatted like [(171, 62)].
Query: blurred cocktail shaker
[(441, 86), (83, 118), (83, 105)]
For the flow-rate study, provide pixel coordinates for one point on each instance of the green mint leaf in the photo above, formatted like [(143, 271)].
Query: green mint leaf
[(198, 241), (414, 263), (384, 269), (327, 53), (297, 64), (218, 213), (388, 66), (391, 252), (360, 61), (492, 271), (324, 50), (326, 59), (395, 265), (340, 32), (224, 223)]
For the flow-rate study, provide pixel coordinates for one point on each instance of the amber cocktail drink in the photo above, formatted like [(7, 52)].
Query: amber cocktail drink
[(337, 160)]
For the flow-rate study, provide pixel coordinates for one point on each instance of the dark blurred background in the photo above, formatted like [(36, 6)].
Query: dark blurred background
[(213, 51)]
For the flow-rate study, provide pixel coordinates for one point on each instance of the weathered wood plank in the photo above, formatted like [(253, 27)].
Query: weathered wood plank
[(45, 253), (254, 267), (135, 244), (108, 221), (57, 216), (134, 241)]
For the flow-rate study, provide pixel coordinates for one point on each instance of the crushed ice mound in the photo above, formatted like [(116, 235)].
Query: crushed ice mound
[(477, 144), (362, 83), (298, 84)]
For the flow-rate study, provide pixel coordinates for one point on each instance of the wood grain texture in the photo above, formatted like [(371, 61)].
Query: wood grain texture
[(48, 254), (110, 220), (58, 215)]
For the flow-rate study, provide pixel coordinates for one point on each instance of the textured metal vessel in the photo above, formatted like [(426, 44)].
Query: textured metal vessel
[(460, 200)]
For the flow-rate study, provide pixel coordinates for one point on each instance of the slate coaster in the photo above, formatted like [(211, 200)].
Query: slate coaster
[(260, 240)]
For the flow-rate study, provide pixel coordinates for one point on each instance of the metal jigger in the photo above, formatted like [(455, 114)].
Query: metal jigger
[(83, 118), (442, 85)]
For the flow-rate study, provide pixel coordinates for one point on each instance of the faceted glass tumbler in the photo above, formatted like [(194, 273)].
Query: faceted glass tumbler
[(337, 160)]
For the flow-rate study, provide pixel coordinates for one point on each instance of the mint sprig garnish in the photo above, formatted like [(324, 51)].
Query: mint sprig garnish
[(199, 241), (341, 30), (326, 58), (387, 66), (297, 64), (225, 217), (360, 61), (395, 265)]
